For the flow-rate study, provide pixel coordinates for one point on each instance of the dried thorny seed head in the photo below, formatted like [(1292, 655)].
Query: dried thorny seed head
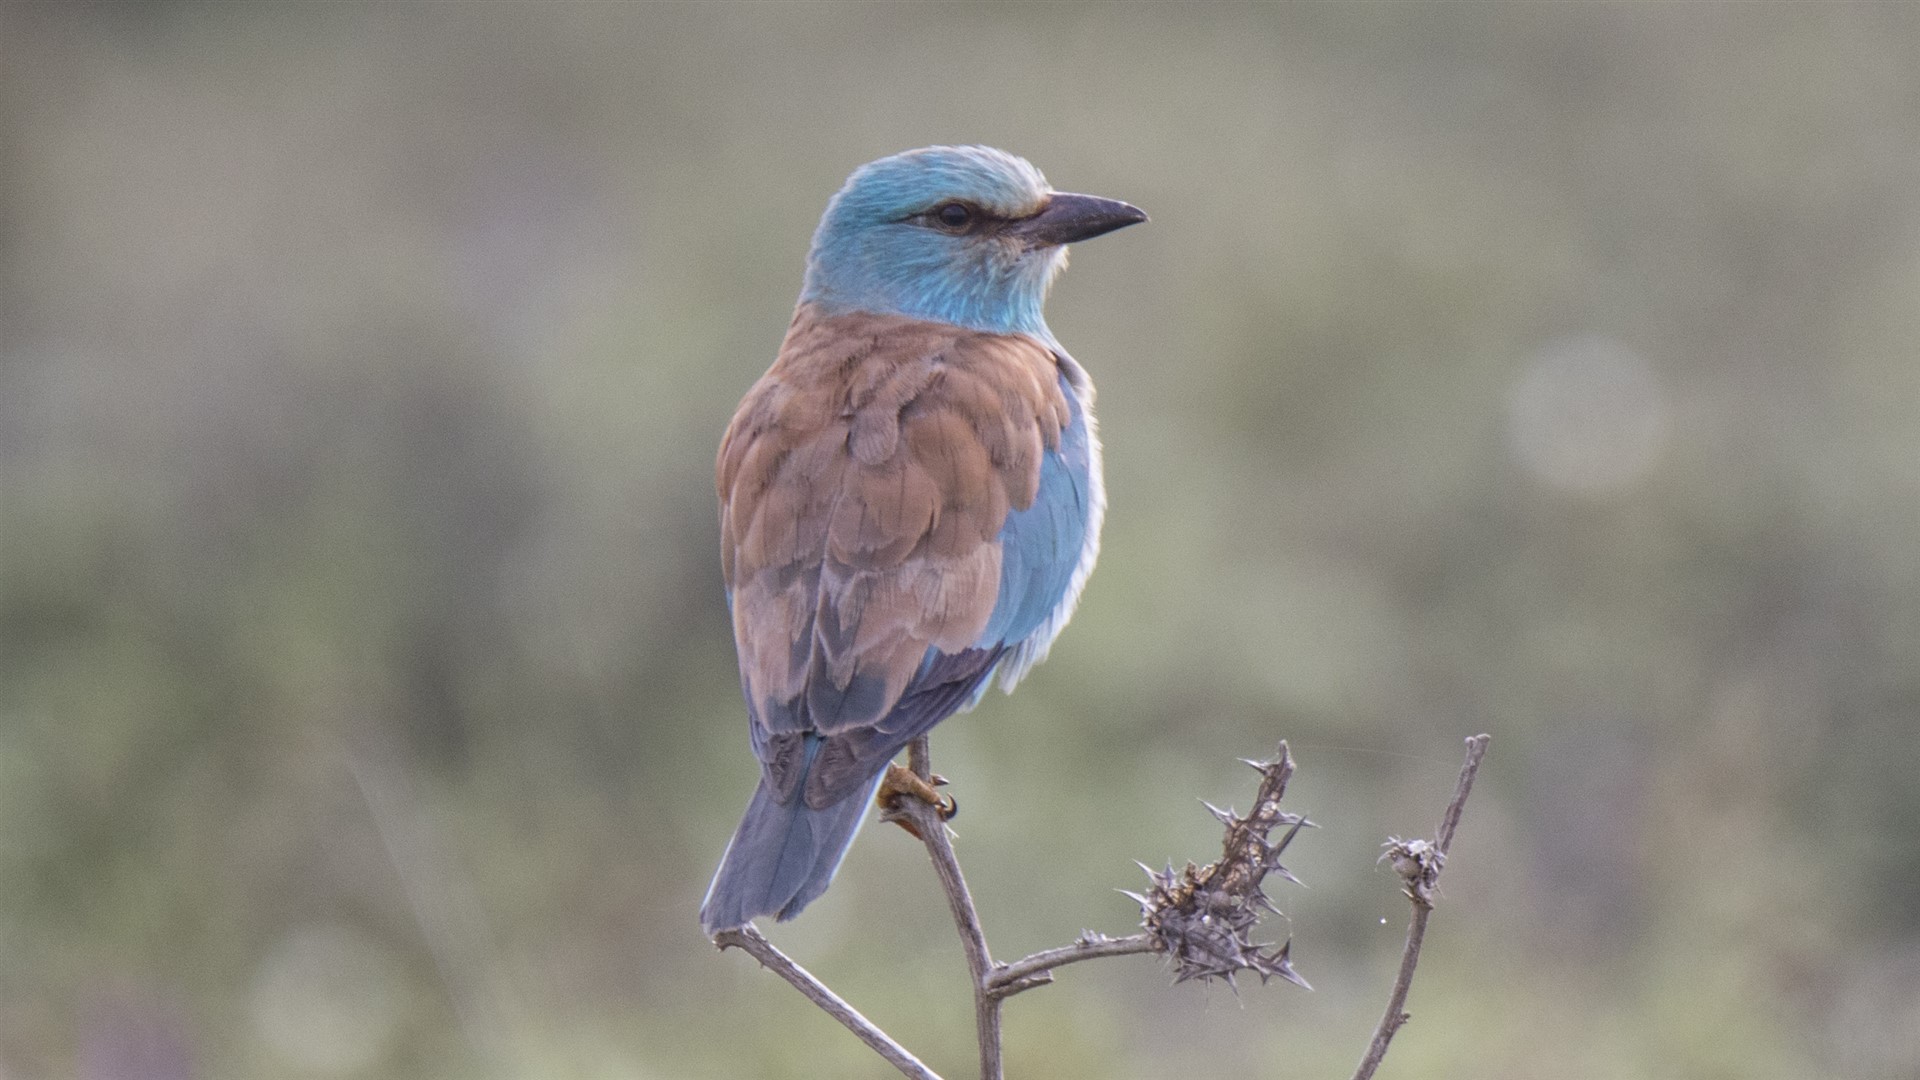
[(1203, 918), (1417, 862)]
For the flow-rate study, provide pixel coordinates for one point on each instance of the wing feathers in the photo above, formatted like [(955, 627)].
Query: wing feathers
[(863, 487), (974, 495), (881, 513)]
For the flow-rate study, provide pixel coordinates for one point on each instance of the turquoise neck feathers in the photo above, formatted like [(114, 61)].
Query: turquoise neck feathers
[(880, 246)]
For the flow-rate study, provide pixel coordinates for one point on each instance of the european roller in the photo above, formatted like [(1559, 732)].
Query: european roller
[(910, 497)]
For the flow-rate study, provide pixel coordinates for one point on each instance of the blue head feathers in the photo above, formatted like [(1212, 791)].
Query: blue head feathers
[(967, 235)]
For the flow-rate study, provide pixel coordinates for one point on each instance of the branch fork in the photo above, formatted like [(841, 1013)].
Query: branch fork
[(1201, 918)]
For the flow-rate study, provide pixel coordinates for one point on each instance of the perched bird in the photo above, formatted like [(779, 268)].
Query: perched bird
[(910, 497)]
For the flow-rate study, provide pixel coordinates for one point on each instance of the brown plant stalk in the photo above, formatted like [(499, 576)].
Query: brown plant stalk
[(1419, 864), (1200, 918)]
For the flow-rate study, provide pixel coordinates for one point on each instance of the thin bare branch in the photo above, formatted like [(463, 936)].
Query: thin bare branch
[(756, 945), (1419, 864), (1201, 916), (932, 829), (1037, 970), (1476, 749)]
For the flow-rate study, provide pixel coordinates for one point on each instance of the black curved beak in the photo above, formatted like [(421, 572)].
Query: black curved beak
[(1070, 218)]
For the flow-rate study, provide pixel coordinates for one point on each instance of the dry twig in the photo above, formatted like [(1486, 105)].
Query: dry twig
[(931, 826), (1201, 918), (1419, 864), (756, 945), (1037, 970)]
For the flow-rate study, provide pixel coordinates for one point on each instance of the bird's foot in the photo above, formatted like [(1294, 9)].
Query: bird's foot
[(901, 782)]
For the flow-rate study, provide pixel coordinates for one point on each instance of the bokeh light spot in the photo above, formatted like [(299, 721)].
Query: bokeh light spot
[(1588, 416)]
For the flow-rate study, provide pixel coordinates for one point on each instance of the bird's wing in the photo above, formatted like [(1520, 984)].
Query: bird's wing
[(1047, 549), (867, 485)]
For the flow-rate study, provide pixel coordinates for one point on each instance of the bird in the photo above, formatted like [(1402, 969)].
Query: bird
[(910, 497)]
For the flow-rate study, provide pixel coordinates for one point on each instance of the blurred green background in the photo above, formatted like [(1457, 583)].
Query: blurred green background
[(368, 706)]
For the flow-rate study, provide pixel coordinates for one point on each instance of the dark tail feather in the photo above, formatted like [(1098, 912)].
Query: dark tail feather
[(781, 857)]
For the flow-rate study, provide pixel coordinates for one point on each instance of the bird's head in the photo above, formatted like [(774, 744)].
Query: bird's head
[(959, 234)]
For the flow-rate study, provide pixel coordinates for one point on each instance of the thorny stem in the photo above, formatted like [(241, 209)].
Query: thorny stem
[(1418, 862), (757, 946), (1421, 878)]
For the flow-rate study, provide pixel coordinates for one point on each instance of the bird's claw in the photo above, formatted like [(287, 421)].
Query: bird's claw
[(900, 782)]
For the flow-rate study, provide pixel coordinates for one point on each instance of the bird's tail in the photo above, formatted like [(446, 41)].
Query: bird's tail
[(781, 857)]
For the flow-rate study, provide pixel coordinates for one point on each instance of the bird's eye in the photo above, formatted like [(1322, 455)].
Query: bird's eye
[(954, 215)]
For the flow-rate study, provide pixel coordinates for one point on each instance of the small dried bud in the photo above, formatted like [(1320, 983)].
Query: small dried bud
[(1418, 864)]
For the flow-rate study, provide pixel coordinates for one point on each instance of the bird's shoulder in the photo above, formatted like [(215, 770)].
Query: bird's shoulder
[(925, 434)]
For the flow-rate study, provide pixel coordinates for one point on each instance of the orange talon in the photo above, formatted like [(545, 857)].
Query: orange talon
[(900, 782)]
